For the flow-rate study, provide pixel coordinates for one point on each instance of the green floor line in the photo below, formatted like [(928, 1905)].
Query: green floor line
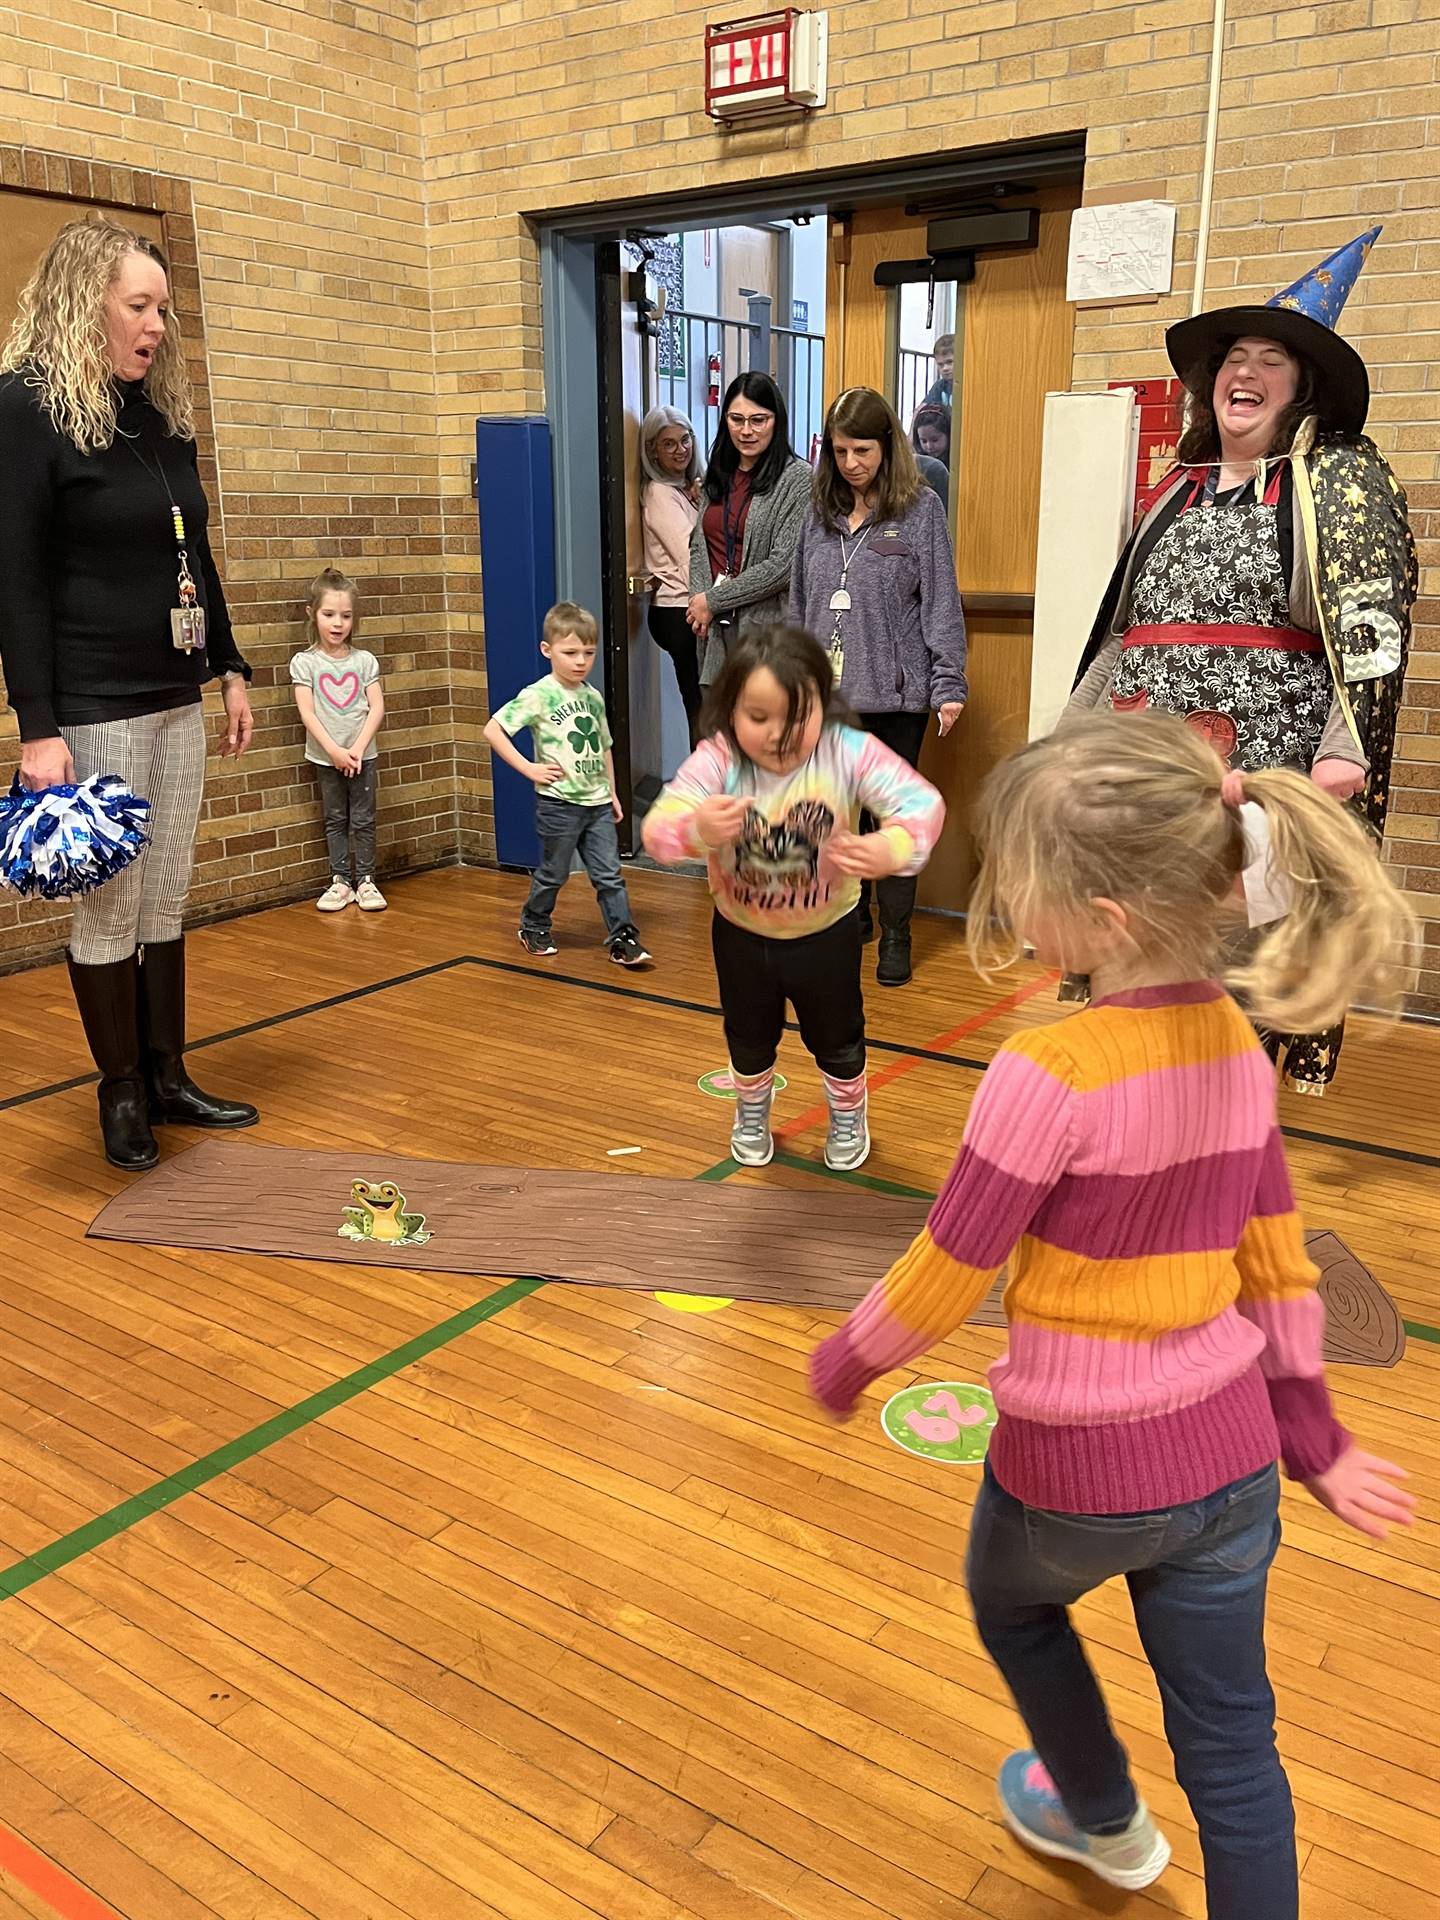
[(94, 1533)]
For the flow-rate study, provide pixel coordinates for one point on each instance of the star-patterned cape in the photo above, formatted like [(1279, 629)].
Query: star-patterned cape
[(1352, 525)]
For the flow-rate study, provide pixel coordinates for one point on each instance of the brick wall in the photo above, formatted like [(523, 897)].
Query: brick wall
[(325, 141), (536, 105), (286, 141)]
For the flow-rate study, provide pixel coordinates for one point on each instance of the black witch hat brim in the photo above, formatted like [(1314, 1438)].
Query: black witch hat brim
[(1343, 398)]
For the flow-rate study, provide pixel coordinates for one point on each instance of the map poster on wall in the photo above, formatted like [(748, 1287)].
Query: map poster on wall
[(1121, 252)]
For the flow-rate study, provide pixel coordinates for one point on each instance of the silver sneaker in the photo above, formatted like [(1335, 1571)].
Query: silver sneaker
[(751, 1142), (848, 1142)]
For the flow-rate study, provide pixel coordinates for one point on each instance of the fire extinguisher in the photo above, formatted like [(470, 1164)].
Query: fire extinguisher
[(712, 397)]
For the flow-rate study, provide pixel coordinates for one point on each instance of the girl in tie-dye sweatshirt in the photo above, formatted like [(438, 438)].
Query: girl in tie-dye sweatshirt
[(1164, 1324), (772, 801)]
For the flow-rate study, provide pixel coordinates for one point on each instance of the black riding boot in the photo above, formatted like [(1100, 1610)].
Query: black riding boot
[(867, 924), (174, 1097), (897, 902), (106, 997)]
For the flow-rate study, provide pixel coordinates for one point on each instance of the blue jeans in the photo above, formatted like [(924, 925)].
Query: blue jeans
[(565, 830), (1197, 1577)]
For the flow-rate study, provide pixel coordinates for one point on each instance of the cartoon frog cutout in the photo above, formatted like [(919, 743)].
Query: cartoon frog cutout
[(379, 1214)]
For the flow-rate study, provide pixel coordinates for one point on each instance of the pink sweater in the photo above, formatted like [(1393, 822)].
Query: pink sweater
[(1164, 1325)]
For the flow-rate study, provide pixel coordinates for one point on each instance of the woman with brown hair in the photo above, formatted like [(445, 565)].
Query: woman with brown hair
[(1265, 595), (874, 581), (111, 621)]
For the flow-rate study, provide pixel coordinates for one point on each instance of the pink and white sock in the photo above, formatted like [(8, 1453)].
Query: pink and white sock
[(844, 1096), (753, 1086)]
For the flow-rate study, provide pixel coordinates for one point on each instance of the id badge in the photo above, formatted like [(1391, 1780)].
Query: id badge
[(837, 657), (187, 628)]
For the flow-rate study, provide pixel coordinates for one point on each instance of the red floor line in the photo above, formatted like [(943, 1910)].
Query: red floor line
[(884, 1075), (70, 1900)]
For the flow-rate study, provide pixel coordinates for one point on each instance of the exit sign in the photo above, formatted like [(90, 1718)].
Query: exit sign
[(766, 63)]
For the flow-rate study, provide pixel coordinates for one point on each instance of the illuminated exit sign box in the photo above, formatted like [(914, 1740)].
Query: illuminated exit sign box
[(765, 64)]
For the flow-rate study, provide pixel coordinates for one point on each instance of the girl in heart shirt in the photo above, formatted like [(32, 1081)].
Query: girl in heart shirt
[(773, 799), (337, 689)]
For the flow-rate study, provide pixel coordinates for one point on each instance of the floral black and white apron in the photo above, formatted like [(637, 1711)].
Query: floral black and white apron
[(1211, 638)]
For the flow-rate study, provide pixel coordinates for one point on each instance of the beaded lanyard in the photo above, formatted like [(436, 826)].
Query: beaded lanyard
[(187, 621)]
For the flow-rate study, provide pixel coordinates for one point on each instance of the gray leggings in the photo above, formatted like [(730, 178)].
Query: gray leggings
[(348, 800), (160, 756)]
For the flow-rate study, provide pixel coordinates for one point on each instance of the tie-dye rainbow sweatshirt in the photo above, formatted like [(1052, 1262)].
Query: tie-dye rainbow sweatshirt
[(776, 879), (1165, 1327)]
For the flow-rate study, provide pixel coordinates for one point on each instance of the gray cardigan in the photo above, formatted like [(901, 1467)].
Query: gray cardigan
[(757, 595)]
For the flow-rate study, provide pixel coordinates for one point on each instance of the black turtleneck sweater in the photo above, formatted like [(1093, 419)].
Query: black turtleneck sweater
[(88, 568)]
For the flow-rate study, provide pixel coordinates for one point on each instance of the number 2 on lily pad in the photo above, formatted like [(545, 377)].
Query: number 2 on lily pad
[(950, 1421)]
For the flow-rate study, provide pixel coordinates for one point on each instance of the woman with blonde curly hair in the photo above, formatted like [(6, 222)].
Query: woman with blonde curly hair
[(112, 619)]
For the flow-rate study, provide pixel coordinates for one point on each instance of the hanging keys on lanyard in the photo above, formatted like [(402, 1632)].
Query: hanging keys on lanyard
[(187, 621), (840, 602)]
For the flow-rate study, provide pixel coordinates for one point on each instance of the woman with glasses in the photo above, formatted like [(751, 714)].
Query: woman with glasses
[(669, 508), (753, 502)]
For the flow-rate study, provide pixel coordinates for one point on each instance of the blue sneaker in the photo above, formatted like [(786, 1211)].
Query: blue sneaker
[(1035, 1814)]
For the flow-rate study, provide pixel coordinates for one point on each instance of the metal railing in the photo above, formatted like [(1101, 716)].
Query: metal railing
[(699, 354), (914, 377)]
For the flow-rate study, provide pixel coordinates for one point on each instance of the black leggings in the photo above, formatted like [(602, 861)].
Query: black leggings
[(672, 633), (819, 974)]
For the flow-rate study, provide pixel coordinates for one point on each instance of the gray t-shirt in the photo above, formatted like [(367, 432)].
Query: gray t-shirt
[(337, 684)]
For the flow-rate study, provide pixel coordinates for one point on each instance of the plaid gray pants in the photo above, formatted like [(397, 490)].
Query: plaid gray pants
[(160, 756)]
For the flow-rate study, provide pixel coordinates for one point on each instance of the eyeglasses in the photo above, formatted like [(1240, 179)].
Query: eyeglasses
[(740, 422)]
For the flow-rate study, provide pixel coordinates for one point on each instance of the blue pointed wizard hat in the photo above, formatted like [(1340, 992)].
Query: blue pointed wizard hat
[(1302, 318)]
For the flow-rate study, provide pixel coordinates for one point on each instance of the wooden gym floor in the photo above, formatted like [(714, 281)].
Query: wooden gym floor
[(324, 1596)]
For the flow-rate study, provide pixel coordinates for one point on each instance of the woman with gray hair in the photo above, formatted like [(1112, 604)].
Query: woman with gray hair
[(669, 508), (112, 619)]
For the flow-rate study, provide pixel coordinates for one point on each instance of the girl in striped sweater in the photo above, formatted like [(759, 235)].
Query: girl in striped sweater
[(1164, 1325)]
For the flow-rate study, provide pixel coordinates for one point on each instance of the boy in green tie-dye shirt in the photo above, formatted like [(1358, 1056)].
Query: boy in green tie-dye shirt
[(576, 808)]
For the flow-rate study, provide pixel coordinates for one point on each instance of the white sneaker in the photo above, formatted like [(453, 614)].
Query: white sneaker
[(751, 1142), (848, 1142), (337, 895), (369, 898)]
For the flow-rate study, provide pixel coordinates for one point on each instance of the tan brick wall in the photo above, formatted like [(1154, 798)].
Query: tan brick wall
[(530, 108), (293, 135), (325, 141)]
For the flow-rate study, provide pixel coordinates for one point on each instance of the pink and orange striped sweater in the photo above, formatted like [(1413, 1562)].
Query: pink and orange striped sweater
[(1164, 1324)]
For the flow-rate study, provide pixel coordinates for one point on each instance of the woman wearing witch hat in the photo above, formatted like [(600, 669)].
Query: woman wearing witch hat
[(1265, 595)]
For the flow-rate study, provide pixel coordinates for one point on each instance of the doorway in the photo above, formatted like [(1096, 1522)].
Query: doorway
[(603, 275)]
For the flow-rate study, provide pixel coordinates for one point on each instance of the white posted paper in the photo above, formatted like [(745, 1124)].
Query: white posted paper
[(1120, 251)]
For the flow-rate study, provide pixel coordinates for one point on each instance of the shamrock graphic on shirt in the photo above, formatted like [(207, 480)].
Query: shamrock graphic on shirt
[(585, 735)]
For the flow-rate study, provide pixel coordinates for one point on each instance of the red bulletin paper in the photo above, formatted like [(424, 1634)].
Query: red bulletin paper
[(1159, 403)]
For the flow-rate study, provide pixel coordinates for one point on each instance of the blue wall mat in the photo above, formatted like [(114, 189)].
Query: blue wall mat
[(517, 561)]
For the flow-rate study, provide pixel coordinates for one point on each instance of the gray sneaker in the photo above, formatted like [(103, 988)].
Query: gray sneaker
[(848, 1142), (751, 1142)]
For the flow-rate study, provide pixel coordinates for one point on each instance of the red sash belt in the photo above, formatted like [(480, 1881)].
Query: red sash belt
[(1278, 639)]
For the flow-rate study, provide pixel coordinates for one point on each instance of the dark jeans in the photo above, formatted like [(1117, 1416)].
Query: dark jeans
[(565, 830), (903, 733), (819, 974), (1197, 1577), (348, 800), (672, 633)]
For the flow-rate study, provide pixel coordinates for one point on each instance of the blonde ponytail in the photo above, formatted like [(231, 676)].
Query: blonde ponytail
[(1349, 923)]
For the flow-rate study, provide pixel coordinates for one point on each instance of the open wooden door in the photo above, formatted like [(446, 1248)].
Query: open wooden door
[(1014, 343)]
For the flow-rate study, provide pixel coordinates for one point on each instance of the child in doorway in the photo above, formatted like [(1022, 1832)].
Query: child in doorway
[(337, 690), (576, 809), (1165, 1329), (774, 800)]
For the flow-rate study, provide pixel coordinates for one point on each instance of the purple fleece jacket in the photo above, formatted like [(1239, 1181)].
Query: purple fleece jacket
[(904, 632)]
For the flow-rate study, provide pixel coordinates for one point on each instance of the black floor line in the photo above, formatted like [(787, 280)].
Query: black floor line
[(617, 991)]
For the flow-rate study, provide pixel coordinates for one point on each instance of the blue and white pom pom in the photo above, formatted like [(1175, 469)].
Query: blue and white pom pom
[(65, 840)]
